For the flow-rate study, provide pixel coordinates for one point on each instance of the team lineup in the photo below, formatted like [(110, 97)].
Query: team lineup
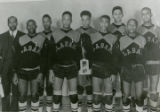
[(104, 64)]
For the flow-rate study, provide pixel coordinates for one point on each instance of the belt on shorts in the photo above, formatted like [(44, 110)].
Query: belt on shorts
[(30, 69), (153, 62), (65, 65)]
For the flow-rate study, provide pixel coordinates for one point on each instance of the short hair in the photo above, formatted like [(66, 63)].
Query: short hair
[(12, 17), (46, 16), (147, 8), (31, 20), (117, 8), (86, 13), (106, 17), (67, 12), (132, 19)]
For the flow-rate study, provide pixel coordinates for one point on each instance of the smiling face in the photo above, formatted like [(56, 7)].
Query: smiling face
[(31, 27), (12, 23), (86, 20), (146, 15), (131, 26), (117, 15), (47, 23), (66, 20)]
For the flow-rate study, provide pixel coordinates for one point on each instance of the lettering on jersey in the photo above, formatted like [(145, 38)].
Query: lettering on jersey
[(31, 47), (150, 37), (102, 44), (132, 49), (65, 42)]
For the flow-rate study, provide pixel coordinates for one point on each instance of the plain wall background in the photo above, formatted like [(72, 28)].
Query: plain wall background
[(26, 10)]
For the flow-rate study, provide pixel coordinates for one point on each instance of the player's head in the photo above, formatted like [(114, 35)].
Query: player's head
[(132, 25), (66, 19), (146, 14), (47, 21), (86, 18), (117, 13), (104, 21), (31, 26), (12, 23)]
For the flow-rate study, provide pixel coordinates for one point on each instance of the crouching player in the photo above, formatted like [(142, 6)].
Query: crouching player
[(30, 59), (85, 81), (65, 62), (131, 47), (152, 54), (102, 42), (46, 84)]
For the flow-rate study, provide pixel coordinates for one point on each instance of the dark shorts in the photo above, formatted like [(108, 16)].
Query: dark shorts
[(68, 71), (135, 74), (28, 75), (153, 69), (100, 71)]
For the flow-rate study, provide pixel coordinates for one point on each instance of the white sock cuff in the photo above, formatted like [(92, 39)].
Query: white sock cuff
[(96, 107), (35, 105), (139, 108), (108, 108), (153, 103), (74, 106), (56, 107)]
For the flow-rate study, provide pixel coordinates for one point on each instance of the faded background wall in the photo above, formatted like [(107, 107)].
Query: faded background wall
[(36, 9)]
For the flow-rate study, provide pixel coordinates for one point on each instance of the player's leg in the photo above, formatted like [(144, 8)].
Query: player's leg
[(34, 94), (145, 92), (139, 98), (89, 93), (49, 95), (80, 90), (154, 79), (73, 94), (97, 93), (126, 94), (108, 94), (57, 93), (22, 87), (41, 97)]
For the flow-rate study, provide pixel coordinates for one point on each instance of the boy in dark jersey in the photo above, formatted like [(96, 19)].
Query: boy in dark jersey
[(118, 29), (132, 61), (84, 81), (47, 34), (102, 43), (152, 54), (30, 60), (64, 64)]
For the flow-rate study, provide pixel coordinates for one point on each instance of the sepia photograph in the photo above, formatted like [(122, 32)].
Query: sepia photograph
[(79, 56)]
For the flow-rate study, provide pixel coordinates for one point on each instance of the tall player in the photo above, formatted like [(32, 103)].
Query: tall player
[(131, 47), (152, 56), (84, 82), (118, 29), (102, 42), (47, 34), (29, 59), (65, 65)]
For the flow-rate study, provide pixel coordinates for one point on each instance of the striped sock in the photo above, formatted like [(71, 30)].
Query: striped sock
[(108, 108), (49, 103), (22, 106), (56, 107), (34, 106), (74, 107), (126, 108), (96, 107)]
